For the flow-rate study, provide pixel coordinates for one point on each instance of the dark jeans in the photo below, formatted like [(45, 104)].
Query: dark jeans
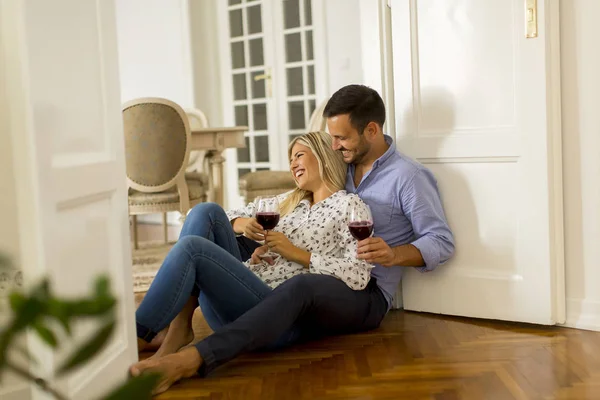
[(303, 308)]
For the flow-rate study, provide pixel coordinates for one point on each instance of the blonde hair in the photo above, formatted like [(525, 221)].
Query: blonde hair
[(332, 168)]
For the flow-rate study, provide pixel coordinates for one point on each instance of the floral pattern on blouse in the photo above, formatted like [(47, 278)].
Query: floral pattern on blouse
[(321, 230)]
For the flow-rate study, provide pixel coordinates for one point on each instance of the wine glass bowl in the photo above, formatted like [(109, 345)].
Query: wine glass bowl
[(267, 215), (361, 222)]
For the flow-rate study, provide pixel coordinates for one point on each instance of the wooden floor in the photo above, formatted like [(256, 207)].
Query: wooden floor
[(415, 356)]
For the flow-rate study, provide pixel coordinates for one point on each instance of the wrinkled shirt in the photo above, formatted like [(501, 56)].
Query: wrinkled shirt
[(407, 209), (321, 230)]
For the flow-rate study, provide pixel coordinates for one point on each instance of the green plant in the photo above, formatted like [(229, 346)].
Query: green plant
[(43, 312)]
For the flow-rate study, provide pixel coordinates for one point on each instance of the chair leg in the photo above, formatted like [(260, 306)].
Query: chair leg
[(165, 228), (135, 232)]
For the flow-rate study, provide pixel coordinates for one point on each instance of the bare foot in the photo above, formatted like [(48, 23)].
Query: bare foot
[(158, 340), (176, 338), (172, 368)]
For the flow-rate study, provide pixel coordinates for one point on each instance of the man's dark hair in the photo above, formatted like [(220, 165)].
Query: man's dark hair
[(362, 103)]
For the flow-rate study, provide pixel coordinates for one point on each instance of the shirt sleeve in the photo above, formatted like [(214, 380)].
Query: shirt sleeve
[(423, 207), (345, 266)]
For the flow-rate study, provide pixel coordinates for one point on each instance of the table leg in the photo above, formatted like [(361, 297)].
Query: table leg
[(216, 161)]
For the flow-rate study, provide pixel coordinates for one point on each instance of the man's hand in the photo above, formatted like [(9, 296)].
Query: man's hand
[(256, 259), (375, 250)]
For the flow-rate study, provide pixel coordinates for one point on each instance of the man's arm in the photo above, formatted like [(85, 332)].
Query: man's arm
[(434, 243)]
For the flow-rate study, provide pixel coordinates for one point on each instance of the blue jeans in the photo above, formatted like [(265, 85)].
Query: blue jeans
[(205, 261)]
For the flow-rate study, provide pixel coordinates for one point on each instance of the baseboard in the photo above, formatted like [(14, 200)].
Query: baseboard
[(583, 314)]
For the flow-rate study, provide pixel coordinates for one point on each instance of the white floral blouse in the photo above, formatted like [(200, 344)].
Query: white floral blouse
[(321, 230)]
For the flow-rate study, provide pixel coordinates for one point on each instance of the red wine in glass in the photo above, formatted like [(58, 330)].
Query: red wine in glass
[(361, 221), (267, 215), (268, 220), (361, 229)]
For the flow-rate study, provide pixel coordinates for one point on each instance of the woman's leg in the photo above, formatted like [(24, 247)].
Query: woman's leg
[(208, 220), (194, 265)]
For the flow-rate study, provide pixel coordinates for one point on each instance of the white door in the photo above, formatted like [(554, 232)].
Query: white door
[(61, 72), (273, 77), (478, 103)]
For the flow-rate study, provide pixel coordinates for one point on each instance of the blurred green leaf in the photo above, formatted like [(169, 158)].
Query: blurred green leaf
[(59, 310), (138, 388), (17, 300), (46, 334), (103, 287), (29, 311), (91, 308), (88, 349)]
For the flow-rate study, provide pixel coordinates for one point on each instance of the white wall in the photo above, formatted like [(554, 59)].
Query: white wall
[(154, 50), (580, 63)]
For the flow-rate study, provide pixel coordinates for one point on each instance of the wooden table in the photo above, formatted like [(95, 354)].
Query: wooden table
[(215, 141)]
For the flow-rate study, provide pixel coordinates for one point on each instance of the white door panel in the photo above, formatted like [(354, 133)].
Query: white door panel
[(63, 70), (473, 102)]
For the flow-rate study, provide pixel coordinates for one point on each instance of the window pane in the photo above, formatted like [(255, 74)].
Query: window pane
[(254, 19), (309, 46), (293, 48), (243, 154), (296, 115), (307, 12), (232, 2), (291, 14), (311, 79), (235, 23), (239, 87), (260, 117), (237, 55), (258, 87), (243, 171), (263, 169), (294, 81), (261, 148), (256, 52), (241, 115)]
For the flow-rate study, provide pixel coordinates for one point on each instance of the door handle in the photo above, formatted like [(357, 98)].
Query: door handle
[(265, 77)]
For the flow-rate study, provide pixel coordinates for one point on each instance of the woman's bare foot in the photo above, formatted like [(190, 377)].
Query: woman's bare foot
[(172, 368), (158, 340), (176, 338)]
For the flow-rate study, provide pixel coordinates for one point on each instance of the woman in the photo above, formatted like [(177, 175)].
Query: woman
[(312, 237)]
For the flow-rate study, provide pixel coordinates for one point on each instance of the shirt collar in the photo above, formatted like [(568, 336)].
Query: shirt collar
[(391, 150)]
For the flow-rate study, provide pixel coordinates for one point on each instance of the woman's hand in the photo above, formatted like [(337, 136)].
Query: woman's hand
[(280, 244), (256, 259), (249, 227)]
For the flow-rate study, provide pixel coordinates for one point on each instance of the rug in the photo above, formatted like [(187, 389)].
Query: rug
[(146, 262)]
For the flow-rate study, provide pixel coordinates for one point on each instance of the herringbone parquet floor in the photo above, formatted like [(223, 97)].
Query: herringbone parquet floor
[(415, 356)]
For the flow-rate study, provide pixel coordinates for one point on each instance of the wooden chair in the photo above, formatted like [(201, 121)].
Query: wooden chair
[(157, 149)]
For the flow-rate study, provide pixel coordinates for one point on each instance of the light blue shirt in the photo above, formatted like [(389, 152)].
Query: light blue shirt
[(407, 209)]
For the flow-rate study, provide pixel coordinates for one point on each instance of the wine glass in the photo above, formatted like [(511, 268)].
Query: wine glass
[(361, 221), (267, 215)]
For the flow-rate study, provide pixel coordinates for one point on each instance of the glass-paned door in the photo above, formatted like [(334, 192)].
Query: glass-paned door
[(269, 61)]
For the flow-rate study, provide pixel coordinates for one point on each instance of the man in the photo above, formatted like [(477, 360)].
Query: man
[(410, 226), (410, 231)]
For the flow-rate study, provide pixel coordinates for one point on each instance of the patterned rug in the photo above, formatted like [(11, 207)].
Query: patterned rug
[(146, 262)]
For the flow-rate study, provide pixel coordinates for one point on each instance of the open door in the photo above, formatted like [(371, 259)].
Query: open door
[(60, 72), (476, 92)]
